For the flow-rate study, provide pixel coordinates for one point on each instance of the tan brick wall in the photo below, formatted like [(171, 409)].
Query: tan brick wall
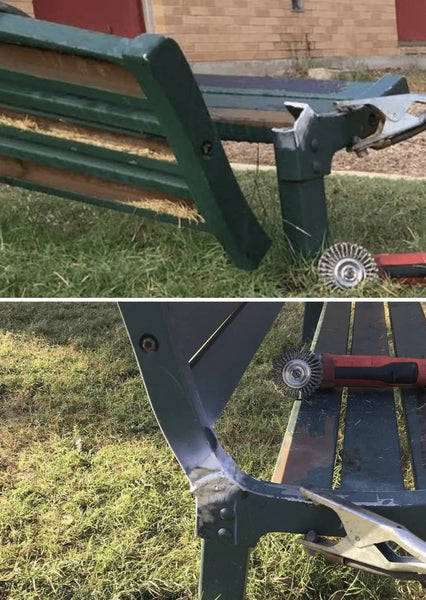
[(210, 30), (214, 30), (25, 5)]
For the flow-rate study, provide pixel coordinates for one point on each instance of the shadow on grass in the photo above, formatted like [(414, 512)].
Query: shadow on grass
[(84, 325)]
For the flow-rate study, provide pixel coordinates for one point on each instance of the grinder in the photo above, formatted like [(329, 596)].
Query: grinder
[(300, 372), (345, 265)]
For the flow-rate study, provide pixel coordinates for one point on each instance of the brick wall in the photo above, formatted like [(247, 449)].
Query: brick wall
[(216, 30), (210, 30), (25, 5)]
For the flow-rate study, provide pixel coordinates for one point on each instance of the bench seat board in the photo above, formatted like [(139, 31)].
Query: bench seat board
[(78, 104), (82, 158), (371, 455), (409, 328), (106, 194), (307, 454), (245, 108), (149, 155)]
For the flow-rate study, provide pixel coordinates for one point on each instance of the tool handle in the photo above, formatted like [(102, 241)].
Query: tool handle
[(372, 371), (409, 267), (408, 259)]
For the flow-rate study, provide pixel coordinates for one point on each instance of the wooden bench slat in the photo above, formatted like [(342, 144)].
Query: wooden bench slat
[(371, 454), (81, 70), (103, 192), (252, 118), (409, 328), (79, 107), (94, 166), (143, 150), (307, 453)]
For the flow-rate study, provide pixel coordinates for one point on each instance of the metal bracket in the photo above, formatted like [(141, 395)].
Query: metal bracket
[(400, 117), (303, 155), (216, 495), (305, 151), (368, 540)]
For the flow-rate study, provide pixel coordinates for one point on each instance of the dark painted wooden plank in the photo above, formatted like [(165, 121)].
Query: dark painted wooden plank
[(409, 329), (311, 317), (371, 456), (233, 101), (308, 450)]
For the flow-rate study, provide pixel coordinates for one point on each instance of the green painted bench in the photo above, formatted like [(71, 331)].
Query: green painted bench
[(119, 123), (124, 124), (343, 445)]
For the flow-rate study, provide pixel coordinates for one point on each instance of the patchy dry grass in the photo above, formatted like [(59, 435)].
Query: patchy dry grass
[(51, 247), (116, 519)]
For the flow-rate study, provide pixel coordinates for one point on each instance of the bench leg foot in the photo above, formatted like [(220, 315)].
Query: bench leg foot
[(223, 571)]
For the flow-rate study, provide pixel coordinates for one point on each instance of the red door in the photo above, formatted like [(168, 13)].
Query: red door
[(411, 20), (122, 18)]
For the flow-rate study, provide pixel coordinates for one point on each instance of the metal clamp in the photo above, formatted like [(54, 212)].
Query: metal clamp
[(400, 117), (368, 540)]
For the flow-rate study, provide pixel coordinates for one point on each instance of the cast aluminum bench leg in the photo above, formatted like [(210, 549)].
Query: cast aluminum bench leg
[(223, 571)]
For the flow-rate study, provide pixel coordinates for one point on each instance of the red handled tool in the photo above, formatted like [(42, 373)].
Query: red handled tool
[(298, 371), (345, 265)]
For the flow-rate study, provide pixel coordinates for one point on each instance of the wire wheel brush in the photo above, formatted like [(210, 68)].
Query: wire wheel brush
[(299, 372), (345, 265)]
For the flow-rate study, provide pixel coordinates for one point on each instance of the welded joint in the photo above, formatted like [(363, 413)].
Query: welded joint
[(305, 150), (216, 497)]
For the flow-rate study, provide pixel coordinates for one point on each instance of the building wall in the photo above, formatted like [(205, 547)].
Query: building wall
[(244, 30), (215, 30), (25, 5)]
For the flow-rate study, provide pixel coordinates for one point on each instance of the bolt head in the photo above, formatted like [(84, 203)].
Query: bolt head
[(148, 343), (207, 148), (314, 145), (225, 534), (227, 514)]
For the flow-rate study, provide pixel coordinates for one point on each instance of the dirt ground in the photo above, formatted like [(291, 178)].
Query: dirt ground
[(406, 158)]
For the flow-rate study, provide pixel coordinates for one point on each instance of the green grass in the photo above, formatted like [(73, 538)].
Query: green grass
[(51, 247), (116, 520)]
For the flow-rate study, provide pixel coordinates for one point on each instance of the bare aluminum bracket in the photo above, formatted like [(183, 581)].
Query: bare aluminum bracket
[(400, 117), (368, 540)]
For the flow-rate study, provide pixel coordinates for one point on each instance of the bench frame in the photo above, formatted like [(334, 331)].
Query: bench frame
[(187, 396), (164, 101), (163, 86)]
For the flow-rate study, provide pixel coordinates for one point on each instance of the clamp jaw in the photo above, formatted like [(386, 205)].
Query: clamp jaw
[(399, 117), (368, 540), (304, 154)]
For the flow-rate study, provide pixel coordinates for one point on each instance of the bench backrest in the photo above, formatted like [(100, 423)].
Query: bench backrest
[(119, 123)]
